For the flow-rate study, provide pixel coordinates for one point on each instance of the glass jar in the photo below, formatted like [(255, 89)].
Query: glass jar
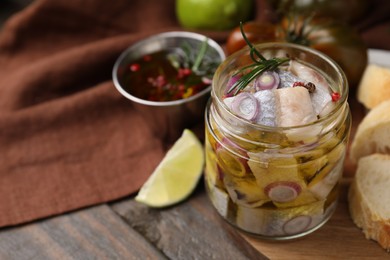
[(276, 182)]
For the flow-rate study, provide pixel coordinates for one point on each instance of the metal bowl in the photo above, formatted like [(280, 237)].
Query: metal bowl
[(167, 119)]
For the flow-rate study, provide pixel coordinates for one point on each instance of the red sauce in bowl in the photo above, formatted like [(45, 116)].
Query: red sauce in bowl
[(164, 76)]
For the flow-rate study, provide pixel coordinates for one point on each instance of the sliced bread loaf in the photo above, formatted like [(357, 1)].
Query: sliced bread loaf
[(369, 198), (374, 86), (373, 133)]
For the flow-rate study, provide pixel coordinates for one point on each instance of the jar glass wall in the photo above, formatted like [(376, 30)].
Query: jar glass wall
[(271, 181)]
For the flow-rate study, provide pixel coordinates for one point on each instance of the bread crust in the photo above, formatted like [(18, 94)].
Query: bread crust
[(369, 148), (364, 142), (362, 215), (374, 86)]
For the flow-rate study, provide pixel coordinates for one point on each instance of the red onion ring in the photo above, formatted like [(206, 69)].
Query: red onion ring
[(245, 105), (267, 80)]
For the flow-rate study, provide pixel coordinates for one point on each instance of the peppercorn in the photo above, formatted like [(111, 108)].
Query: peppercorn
[(310, 87)]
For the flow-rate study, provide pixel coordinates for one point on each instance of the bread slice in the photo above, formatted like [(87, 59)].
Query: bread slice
[(373, 133), (374, 87), (369, 198)]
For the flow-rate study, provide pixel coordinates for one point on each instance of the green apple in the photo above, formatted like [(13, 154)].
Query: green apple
[(213, 14)]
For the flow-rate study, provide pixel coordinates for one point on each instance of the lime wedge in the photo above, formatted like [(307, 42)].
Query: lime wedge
[(177, 175)]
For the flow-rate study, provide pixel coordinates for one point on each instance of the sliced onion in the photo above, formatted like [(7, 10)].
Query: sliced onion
[(267, 80), (245, 105), (230, 163), (282, 191), (226, 142), (230, 84), (297, 224), (221, 174), (228, 101)]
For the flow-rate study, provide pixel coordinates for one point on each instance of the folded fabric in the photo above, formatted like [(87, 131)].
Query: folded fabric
[(68, 139)]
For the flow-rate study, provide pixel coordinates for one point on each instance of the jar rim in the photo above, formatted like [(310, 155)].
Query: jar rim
[(342, 79)]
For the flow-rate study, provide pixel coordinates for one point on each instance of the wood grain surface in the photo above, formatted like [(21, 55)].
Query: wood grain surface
[(94, 233), (339, 238), (191, 230)]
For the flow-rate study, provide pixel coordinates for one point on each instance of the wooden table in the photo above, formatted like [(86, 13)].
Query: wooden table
[(191, 230)]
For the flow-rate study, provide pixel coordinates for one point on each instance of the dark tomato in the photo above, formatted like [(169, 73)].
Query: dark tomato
[(255, 32), (337, 40), (342, 10)]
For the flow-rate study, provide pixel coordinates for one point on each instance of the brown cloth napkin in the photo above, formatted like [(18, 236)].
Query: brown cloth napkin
[(68, 139)]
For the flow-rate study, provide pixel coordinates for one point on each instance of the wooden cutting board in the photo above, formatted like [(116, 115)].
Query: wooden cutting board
[(339, 238)]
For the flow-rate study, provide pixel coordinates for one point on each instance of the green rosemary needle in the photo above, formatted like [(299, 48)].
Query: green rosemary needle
[(259, 65), (196, 60), (199, 58)]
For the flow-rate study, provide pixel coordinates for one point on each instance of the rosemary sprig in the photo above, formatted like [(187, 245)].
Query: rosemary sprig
[(196, 60), (199, 58), (260, 64)]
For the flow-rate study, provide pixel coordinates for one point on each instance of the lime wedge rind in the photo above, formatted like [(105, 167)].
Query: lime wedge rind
[(177, 175)]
